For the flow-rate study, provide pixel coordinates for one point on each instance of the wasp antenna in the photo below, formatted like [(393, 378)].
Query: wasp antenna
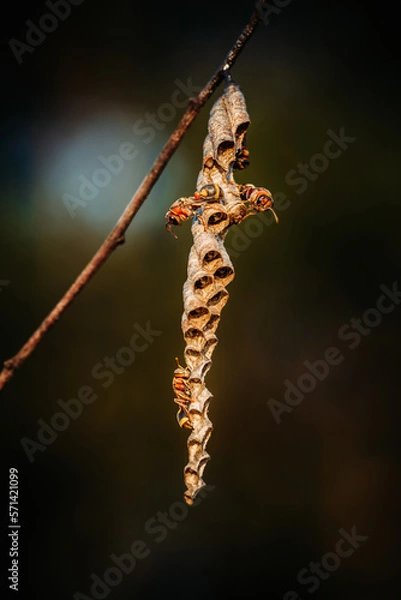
[(176, 360), (275, 216), (170, 230)]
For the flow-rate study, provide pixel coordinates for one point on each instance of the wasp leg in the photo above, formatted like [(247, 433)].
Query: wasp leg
[(249, 214), (183, 417), (184, 394), (182, 402), (256, 212), (200, 219)]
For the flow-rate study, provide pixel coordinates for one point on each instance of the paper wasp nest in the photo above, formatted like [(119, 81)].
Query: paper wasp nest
[(218, 203)]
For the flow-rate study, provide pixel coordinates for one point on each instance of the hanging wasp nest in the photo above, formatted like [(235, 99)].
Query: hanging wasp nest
[(217, 204)]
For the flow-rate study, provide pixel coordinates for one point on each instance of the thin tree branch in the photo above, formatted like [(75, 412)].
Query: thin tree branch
[(117, 235)]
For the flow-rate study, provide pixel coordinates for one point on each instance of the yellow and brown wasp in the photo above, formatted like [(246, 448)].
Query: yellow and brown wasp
[(259, 199), (183, 395), (185, 208), (242, 158)]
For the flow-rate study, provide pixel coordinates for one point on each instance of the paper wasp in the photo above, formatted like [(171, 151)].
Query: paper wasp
[(185, 208), (183, 395), (242, 158), (259, 199)]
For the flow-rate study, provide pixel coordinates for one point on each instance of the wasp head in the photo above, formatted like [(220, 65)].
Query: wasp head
[(172, 220), (178, 213), (260, 200)]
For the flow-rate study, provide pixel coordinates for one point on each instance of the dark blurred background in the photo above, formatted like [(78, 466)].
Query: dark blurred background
[(282, 491)]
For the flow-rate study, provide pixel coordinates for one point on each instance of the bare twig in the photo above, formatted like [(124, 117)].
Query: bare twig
[(117, 235)]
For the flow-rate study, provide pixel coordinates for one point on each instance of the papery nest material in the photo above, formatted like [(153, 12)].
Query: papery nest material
[(210, 269)]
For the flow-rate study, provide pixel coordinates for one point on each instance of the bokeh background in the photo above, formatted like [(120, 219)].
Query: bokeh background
[(282, 492)]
